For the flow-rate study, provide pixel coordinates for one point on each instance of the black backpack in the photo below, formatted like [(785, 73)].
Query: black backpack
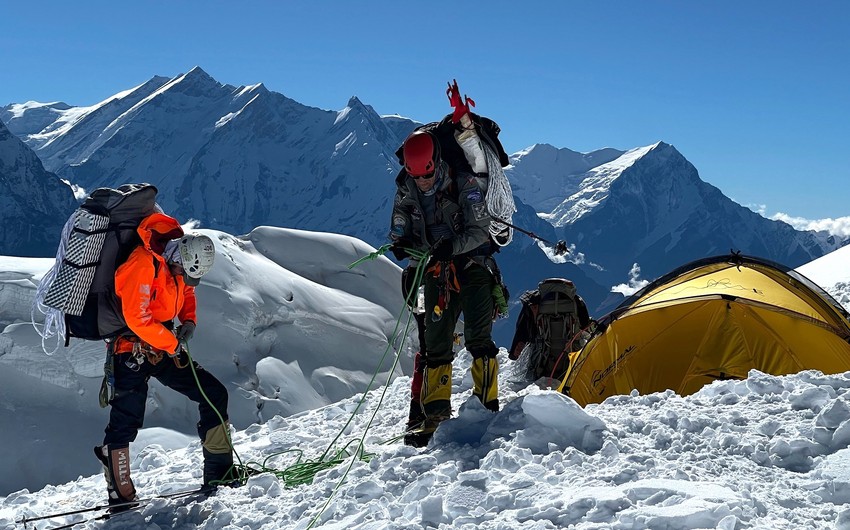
[(97, 239), (450, 151), (550, 325)]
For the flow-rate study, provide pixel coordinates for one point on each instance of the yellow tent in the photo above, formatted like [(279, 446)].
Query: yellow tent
[(714, 318)]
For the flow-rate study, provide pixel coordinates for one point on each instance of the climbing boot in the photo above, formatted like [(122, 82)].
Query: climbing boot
[(415, 423), (437, 391), (218, 458), (116, 470), (218, 470)]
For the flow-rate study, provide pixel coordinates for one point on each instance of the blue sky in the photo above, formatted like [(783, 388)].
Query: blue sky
[(755, 94)]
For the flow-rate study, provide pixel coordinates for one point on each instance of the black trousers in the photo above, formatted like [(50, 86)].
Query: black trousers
[(127, 412)]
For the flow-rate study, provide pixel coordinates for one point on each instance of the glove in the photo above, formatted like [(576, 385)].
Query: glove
[(184, 333), (444, 251), (399, 249)]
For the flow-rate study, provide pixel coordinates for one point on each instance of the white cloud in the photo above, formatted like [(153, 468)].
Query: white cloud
[(760, 209), (838, 227), (635, 283)]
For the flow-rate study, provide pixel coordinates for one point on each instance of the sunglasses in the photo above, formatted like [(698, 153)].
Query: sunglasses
[(427, 176)]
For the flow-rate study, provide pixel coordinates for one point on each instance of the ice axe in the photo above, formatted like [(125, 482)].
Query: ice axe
[(560, 248)]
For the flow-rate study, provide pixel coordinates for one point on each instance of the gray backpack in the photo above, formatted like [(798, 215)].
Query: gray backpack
[(77, 296), (558, 327)]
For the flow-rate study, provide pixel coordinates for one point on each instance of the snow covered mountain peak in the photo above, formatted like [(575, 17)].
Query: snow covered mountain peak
[(363, 112), (31, 116), (16, 110), (354, 101), (234, 158), (543, 175), (361, 123), (357, 108), (231, 157), (196, 77), (595, 185), (649, 206)]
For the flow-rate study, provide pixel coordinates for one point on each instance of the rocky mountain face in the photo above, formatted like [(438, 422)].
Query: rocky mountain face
[(34, 203)]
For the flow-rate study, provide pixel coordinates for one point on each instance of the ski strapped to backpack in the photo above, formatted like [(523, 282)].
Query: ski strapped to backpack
[(77, 295)]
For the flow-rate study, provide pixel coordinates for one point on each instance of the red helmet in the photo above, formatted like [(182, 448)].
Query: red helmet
[(421, 153)]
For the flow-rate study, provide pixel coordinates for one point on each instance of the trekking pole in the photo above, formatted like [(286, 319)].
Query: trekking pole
[(137, 503), (560, 248)]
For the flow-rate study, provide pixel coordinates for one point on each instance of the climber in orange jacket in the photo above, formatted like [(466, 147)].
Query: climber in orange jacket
[(155, 285), (149, 299)]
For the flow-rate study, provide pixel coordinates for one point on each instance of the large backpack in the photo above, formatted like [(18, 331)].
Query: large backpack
[(550, 323), (451, 152), (498, 194), (77, 296)]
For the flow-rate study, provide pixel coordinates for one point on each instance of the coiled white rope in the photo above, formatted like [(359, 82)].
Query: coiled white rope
[(54, 319), (500, 199)]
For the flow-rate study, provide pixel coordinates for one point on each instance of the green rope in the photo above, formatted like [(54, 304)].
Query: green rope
[(372, 256), (418, 275), (242, 472), (304, 472)]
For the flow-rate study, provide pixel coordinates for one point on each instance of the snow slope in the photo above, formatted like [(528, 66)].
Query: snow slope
[(282, 321), (768, 453), (765, 453), (833, 274)]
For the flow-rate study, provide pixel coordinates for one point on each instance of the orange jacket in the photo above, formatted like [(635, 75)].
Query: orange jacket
[(150, 294)]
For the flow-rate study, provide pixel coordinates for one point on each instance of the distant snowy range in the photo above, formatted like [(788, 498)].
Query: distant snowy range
[(292, 195)]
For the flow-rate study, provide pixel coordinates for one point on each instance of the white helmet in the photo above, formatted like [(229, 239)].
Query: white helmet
[(197, 254)]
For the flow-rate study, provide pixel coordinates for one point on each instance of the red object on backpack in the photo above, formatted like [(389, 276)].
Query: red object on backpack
[(461, 106)]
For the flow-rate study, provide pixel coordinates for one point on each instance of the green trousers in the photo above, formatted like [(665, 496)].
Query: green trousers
[(475, 301)]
